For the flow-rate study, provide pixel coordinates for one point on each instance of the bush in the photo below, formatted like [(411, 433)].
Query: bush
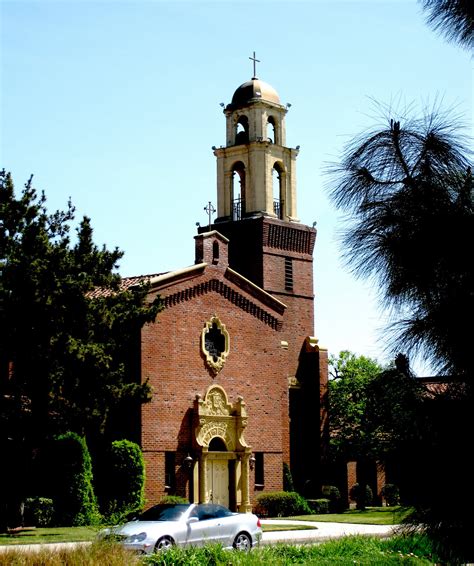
[(124, 480), (287, 478), (391, 494), (281, 504), (74, 500), (331, 492), (319, 506), (173, 499), (38, 512), (361, 494)]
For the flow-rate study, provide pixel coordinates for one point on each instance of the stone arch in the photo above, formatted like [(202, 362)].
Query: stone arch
[(216, 417), (241, 133), (279, 189), (238, 174), (273, 129), (219, 422)]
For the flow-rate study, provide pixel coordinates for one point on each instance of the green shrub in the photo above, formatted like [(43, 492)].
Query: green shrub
[(173, 499), (331, 492), (39, 512), (281, 504), (391, 494), (287, 478), (361, 494), (124, 485), (319, 506), (74, 500)]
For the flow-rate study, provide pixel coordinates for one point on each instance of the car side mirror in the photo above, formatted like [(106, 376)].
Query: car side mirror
[(192, 520)]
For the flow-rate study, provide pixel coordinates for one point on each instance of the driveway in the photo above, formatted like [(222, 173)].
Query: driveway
[(323, 532)]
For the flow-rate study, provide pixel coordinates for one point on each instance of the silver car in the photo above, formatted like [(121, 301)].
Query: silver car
[(166, 525)]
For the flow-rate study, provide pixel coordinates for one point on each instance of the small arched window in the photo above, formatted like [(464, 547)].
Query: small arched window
[(242, 131), (215, 252)]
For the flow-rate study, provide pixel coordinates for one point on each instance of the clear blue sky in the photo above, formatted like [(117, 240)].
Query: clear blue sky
[(116, 105)]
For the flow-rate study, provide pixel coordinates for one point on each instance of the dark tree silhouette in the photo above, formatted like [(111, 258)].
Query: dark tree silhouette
[(408, 191), (453, 18)]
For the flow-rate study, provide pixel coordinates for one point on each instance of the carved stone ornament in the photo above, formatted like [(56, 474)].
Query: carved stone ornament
[(216, 417), (215, 344)]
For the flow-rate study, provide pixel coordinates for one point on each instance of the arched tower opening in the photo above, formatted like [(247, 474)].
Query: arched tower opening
[(242, 131), (272, 130), (238, 190), (278, 187)]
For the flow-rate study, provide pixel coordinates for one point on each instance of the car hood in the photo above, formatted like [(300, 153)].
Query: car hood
[(134, 527)]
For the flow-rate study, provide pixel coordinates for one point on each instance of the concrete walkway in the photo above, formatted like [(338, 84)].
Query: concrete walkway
[(323, 532)]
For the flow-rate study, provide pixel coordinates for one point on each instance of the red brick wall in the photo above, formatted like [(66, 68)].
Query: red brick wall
[(173, 363)]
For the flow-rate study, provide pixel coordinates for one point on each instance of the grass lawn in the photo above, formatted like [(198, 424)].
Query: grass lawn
[(59, 534), (286, 527), (371, 516)]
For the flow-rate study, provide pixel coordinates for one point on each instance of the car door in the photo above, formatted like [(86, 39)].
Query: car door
[(226, 525), (210, 528)]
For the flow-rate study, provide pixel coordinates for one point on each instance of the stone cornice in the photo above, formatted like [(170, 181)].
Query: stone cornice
[(235, 297)]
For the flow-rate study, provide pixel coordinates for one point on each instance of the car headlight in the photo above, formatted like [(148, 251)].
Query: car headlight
[(136, 538)]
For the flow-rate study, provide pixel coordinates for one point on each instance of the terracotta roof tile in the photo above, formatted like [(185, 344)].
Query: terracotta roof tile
[(125, 283)]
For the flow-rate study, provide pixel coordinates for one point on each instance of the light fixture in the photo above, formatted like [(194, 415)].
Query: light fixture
[(214, 147), (188, 461), (252, 462), (221, 104), (297, 147), (288, 105)]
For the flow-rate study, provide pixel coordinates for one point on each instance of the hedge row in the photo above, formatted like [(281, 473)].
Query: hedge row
[(71, 499)]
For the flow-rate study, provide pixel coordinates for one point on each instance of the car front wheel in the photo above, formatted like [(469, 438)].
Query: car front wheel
[(242, 542), (164, 543)]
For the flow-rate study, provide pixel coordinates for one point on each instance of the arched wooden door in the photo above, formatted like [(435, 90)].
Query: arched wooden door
[(218, 481)]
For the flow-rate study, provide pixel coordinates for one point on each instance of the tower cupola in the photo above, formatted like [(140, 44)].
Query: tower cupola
[(256, 172)]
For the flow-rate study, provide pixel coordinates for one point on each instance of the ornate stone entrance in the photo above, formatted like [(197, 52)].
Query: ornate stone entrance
[(221, 474)]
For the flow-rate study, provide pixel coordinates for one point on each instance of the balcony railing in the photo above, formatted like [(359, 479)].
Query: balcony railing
[(238, 208), (277, 207)]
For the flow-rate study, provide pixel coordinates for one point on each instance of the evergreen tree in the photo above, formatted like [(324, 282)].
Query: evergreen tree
[(453, 18), (407, 190), (69, 328)]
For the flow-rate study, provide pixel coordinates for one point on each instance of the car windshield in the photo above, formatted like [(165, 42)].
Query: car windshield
[(164, 512)]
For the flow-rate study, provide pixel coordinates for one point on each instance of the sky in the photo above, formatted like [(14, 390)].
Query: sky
[(116, 104)]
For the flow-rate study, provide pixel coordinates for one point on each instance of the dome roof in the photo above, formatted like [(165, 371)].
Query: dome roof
[(254, 89)]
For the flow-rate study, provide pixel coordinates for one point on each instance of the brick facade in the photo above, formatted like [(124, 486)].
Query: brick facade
[(252, 283), (261, 359)]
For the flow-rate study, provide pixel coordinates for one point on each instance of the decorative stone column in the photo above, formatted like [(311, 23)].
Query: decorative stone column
[(203, 476), (245, 506)]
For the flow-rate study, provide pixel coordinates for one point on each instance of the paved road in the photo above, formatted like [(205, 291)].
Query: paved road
[(324, 531)]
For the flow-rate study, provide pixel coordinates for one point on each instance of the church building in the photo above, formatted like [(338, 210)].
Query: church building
[(239, 380)]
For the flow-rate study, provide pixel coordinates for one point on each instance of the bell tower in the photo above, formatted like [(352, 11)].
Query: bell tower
[(267, 244), (256, 207), (255, 170)]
